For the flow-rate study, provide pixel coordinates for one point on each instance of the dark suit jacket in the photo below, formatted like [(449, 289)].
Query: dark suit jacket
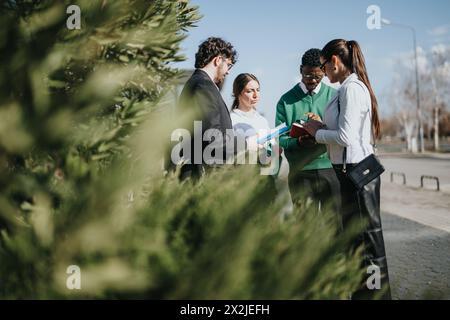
[(201, 95)]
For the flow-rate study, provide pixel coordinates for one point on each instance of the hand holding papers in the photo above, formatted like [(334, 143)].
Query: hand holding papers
[(298, 130), (274, 133), (259, 141), (312, 126), (302, 130), (252, 143)]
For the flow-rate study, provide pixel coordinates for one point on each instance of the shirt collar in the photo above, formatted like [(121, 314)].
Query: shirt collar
[(305, 91), (250, 114), (351, 77)]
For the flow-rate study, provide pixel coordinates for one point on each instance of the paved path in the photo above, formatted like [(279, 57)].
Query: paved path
[(416, 225), (418, 259), (430, 208)]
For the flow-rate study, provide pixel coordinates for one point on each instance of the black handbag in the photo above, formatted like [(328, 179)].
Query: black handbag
[(366, 170)]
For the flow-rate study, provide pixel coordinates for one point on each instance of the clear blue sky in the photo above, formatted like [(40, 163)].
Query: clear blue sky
[(271, 36)]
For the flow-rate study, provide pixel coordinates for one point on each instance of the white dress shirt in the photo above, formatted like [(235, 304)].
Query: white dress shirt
[(351, 127), (315, 91)]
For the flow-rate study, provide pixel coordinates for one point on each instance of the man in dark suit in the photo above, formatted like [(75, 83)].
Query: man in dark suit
[(201, 95)]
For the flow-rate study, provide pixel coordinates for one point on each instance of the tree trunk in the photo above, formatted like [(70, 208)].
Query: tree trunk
[(436, 129), (409, 131)]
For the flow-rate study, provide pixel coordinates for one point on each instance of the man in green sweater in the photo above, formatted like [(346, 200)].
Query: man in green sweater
[(311, 176)]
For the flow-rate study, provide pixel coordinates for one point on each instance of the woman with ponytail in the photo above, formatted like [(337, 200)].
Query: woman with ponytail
[(350, 123)]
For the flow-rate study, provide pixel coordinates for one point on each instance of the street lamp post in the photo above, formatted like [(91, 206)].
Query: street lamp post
[(419, 111)]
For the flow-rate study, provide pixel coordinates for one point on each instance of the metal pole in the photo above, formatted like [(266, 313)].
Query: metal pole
[(419, 111)]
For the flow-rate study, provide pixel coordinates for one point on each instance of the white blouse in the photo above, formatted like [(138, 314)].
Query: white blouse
[(351, 127), (251, 122)]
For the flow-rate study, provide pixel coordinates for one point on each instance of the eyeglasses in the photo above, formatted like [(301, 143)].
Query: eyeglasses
[(312, 77), (322, 66), (229, 65)]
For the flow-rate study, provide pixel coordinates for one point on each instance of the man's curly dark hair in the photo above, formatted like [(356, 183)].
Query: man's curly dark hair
[(311, 58), (211, 48)]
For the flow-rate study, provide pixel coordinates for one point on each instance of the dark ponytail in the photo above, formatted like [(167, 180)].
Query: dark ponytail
[(352, 57), (239, 85)]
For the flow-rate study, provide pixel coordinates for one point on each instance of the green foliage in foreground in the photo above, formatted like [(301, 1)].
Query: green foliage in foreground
[(175, 240), (81, 181)]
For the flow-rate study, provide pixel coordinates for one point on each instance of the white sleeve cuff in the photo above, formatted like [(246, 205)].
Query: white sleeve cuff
[(320, 136)]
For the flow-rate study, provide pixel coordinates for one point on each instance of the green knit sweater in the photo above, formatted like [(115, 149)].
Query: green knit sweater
[(292, 106)]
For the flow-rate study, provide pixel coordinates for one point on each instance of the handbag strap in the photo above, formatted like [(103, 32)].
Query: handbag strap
[(344, 156)]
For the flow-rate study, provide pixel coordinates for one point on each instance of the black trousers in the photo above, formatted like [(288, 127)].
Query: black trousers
[(193, 171), (363, 206), (321, 186)]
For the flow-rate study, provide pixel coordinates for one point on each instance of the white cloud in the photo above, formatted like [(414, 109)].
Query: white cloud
[(422, 60), (441, 53), (440, 48), (440, 31), (406, 60), (387, 62)]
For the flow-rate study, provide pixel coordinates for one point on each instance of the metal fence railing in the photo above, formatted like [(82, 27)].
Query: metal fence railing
[(430, 178), (398, 174)]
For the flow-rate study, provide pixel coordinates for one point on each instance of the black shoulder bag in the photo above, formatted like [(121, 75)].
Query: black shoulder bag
[(366, 170)]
